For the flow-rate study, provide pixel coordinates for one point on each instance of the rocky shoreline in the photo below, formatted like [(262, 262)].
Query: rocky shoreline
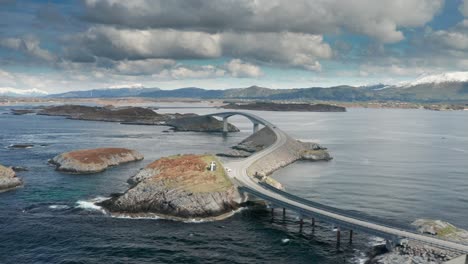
[(8, 179), (89, 161)]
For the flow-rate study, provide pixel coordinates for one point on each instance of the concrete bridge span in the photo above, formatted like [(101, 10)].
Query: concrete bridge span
[(256, 121)]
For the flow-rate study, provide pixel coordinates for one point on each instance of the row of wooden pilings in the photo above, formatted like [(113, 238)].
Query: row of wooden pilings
[(301, 224)]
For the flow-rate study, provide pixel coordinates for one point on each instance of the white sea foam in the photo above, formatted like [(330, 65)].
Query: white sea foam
[(360, 257), (285, 240), (59, 206), (90, 205), (126, 216)]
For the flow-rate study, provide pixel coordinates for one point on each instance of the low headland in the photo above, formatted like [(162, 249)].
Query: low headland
[(8, 179), (285, 107), (137, 116)]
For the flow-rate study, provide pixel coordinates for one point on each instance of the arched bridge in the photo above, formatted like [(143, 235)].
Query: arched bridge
[(306, 208), (256, 120)]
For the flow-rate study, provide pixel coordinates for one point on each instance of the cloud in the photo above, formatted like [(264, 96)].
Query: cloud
[(28, 45), (464, 8), (131, 44), (451, 39), (143, 67), (378, 19), (238, 68), (294, 49), (184, 72)]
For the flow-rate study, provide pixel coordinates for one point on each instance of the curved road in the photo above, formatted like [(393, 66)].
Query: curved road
[(249, 184)]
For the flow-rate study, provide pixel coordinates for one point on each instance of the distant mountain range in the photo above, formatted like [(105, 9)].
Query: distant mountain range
[(110, 92), (447, 87), (13, 92)]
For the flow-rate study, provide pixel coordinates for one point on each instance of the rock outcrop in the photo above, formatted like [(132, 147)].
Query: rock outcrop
[(109, 114), (179, 187), (8, 179), (292, 151), (414, 253), (441, 229), (138, 116), (199, 124), (93, 160)]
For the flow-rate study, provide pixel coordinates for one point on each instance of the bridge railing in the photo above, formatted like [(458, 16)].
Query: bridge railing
[(318, 216), (350, 214), (353, 216), (362, 228)]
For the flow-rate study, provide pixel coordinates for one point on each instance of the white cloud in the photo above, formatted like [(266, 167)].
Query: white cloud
[(293, 49), (206, 71), (133, 44), (238, 68), (451, 39), (285, 48), (28, 45), (378, 19), (143, 67)]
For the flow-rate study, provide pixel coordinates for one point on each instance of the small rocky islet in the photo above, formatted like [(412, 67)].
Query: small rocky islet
[(8, 179), (178, 187), (88, 161)]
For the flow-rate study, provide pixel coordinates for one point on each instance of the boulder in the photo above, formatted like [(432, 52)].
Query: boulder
[(8, 179), (315, 155), (180, 187), (93, 160)]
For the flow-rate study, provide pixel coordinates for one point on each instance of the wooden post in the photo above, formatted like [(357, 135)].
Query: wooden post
[(272, 212), (313, 225), (301, 223), (284, 212), (350, 236)]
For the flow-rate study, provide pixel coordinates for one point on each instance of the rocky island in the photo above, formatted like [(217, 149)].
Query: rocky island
[(138, 116), (8, 179), (88, 161), (179, 187), (264, 106)]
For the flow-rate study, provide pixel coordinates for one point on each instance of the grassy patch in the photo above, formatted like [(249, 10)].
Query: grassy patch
[(191, 173), (447, 231)]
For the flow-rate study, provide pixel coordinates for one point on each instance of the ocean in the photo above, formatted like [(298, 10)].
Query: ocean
[(398, 165)]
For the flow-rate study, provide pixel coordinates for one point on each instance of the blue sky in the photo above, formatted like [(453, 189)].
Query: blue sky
[(58, 46)]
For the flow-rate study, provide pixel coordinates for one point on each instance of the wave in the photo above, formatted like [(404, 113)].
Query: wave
[(90, 205), (59, 207)]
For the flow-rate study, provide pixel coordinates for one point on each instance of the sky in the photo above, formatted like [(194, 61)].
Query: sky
[(58, 46)]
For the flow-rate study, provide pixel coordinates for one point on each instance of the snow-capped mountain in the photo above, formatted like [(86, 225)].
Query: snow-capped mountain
[(14, 92), (448, 77), (132, 85)]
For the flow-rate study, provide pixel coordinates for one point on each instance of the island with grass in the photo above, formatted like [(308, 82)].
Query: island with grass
[(178, 187)]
